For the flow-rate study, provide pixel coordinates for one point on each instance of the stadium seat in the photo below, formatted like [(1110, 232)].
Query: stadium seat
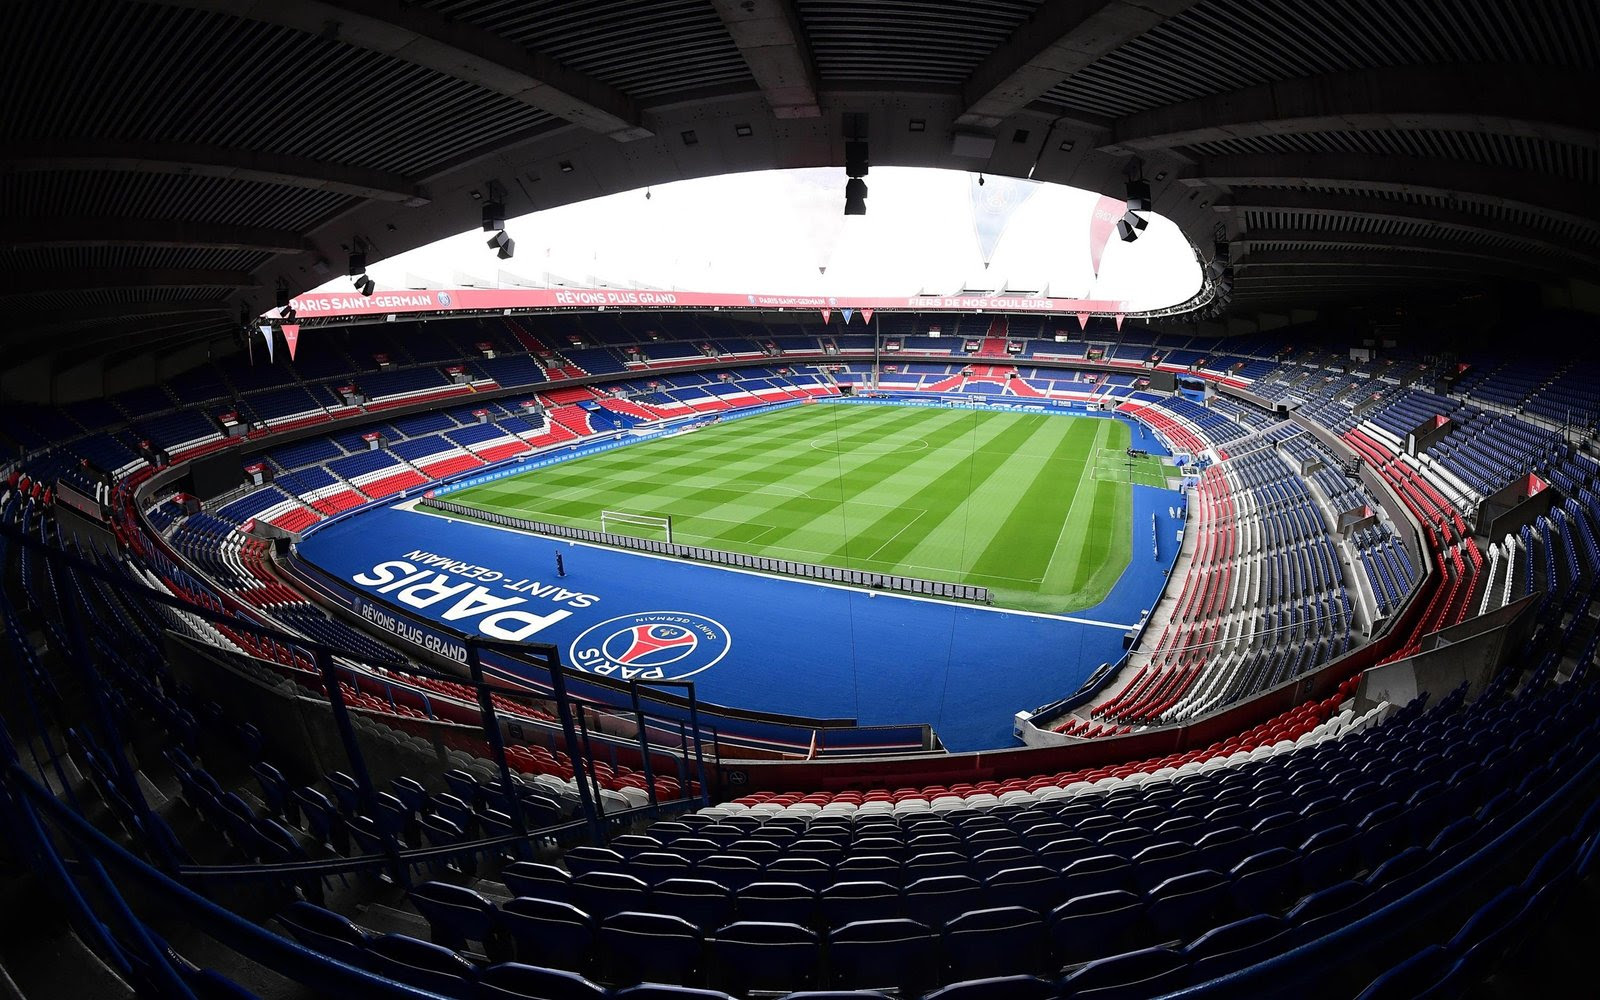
[(941, 899), (1031, 887), (1184, 906), (997, 942), (776, 902), (603, 893), (751, 955), (515, 981), (1101, 923), (1131, 975), (999, 988), (327, 932), (455, 914), (899, 955), (701, 902), (650, 948), (421, 964), (1236, 945), (1417, 978), (844, 902), (529, 878), (549, 933)]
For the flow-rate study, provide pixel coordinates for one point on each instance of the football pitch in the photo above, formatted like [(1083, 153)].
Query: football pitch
[(1034, 507)]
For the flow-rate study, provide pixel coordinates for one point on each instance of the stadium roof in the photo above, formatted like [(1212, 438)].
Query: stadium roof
[(167, 163)]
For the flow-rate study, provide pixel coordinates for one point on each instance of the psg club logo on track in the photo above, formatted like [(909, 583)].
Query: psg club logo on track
[(655, 645)]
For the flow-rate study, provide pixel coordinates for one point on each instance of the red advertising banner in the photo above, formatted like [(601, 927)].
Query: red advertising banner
[(326, 305)]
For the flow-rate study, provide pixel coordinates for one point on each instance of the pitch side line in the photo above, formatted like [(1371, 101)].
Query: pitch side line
[(410, 506)]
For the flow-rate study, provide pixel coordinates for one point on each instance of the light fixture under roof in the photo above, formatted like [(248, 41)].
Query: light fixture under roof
[(504, 246)]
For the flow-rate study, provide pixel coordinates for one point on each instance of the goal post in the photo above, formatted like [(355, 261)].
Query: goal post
[(621, 522)]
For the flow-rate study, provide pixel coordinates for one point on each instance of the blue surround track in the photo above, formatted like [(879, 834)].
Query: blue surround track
[(751, 641)]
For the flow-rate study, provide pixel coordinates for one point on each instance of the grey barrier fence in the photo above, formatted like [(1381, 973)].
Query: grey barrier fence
[(786, 567)]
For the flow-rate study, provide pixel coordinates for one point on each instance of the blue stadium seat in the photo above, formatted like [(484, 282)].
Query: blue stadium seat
[(1417, 978), (699, 901), (1101, 923), (1236, 945), (584, 859), (1136, 974), (899, 955), (1032, 887), (650, 948), (1001, 941), (731, 872), (1188, 905), (602, 893), (1099, 873), (529, 878), (662, 991), (811, 872), (776, 902), (327, 932), (1491, 931), (514, 981), (549, 933), (999, 988), (455, 914), (943, 898), (1266, 882), (1328, 908), (843, 902), (655, 867), (751, 955), (421, 964)]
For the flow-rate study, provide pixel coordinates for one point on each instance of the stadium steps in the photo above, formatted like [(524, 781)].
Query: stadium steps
[(530, 342)]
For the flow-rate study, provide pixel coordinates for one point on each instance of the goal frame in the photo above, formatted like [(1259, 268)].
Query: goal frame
[(608, 517)]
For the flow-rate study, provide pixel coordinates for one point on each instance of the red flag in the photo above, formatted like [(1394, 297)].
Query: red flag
[(291, 336), (1083, 321), (827, 315), (1102, 223), (1120, 318), (866, 315)]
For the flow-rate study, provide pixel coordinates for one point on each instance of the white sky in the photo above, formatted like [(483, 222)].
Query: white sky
[(769, 232)]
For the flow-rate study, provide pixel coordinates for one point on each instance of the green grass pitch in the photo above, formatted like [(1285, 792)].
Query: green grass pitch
[(1033, 507)]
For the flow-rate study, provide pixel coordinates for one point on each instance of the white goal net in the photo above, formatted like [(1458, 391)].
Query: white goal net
[(621, 522)]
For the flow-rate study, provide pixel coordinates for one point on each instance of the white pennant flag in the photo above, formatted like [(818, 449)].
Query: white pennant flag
[(266, 333)]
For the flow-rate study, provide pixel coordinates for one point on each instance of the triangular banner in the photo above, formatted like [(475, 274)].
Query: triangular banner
[(866, 315), (995, 201), (1120, 318), (827, 315), (291, 336), (847, 314), (1102, 223), (1083, 320), (266, 333)]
